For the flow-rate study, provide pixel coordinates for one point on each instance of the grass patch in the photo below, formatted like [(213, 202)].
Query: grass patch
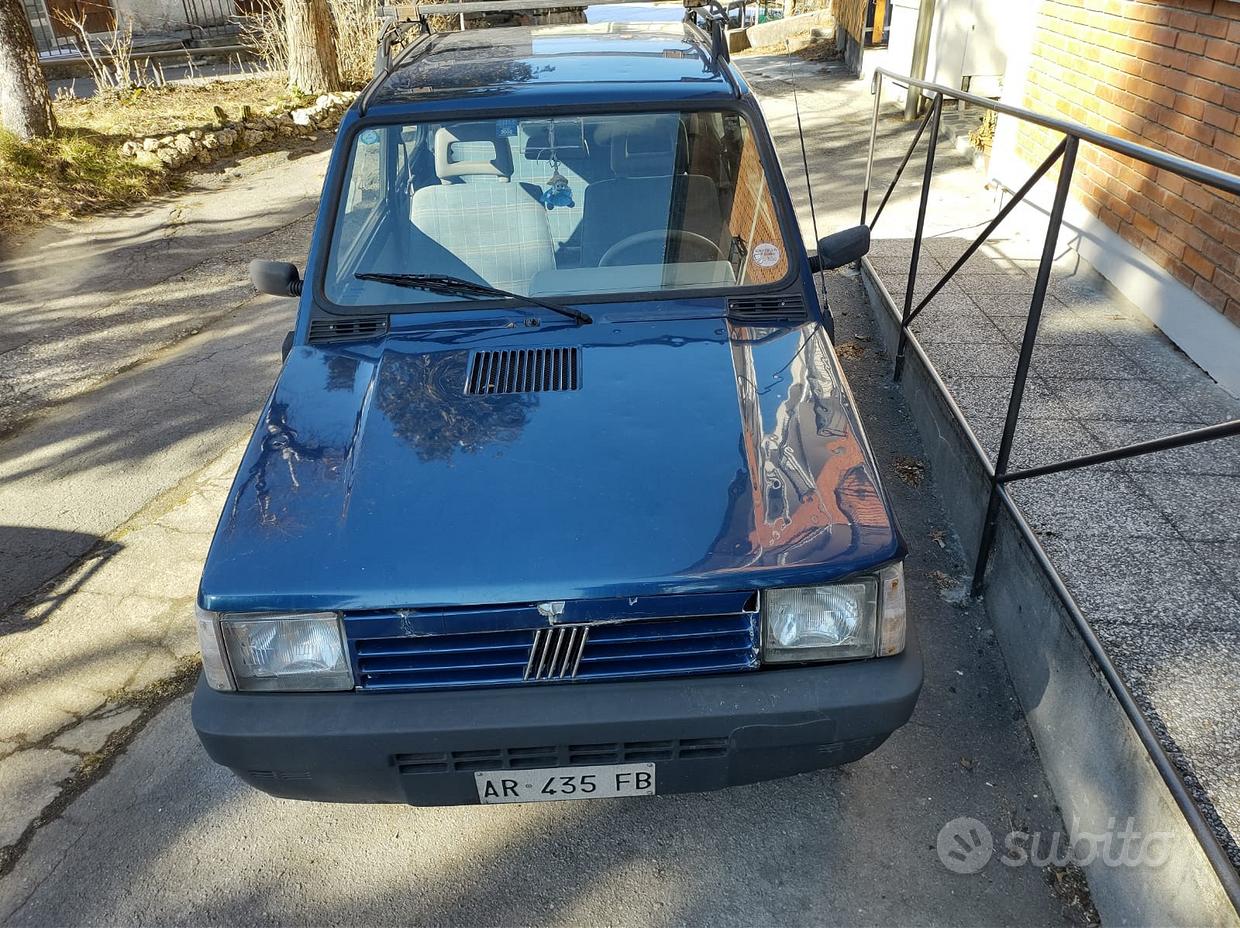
[(806, 47), (68, 175), (160, 111), (80, 170)]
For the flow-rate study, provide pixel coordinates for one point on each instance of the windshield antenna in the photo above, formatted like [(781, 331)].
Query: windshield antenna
[(809, 187)]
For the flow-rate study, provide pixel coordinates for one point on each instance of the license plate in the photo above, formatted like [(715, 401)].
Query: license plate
[(552, 783)]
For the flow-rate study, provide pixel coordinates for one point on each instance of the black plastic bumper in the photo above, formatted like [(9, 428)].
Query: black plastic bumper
[(703, 733)]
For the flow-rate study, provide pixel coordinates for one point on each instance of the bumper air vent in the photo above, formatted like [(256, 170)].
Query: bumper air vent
[(564, 755), (354, 328), (764, 309), (274, 776), (524, 370)]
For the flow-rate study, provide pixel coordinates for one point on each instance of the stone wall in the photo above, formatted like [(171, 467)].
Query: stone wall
[(205, 145)]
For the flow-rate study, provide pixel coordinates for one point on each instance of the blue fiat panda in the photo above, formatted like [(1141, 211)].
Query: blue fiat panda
[(560, 493)]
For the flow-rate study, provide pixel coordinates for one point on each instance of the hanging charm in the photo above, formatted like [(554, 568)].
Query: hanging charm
[(557, 192)]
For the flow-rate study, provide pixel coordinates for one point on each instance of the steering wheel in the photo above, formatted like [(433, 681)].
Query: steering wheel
[(659, 235)]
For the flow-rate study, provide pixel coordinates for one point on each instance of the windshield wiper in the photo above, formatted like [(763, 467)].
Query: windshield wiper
[(457, 286)]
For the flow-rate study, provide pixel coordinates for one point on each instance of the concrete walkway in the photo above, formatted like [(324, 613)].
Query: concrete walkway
[(81, 301), (136, 357), (134, 351), (1149, 547)]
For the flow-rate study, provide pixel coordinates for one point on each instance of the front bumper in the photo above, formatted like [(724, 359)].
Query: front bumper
[(703, 733)]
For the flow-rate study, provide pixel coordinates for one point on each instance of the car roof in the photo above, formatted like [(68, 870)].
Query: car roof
[(584, 64)]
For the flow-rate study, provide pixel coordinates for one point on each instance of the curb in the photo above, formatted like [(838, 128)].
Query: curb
[(1100, 771)]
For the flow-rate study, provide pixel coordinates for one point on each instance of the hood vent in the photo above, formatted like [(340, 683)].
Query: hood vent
[(783, 308), (353, 328), (524, 370)]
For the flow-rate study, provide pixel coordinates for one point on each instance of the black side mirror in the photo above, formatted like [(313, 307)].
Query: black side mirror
[(275, 277), (843, 248)]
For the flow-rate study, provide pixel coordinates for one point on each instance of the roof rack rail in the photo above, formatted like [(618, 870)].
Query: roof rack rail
[(455, 7), (400, 20), (708, 15), (395, 32), (712, 18)]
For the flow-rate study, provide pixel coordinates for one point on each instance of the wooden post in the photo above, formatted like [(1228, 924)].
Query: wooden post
[(880, 20)]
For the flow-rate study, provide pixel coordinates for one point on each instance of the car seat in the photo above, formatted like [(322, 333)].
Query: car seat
[(488, 227), (651, 190)]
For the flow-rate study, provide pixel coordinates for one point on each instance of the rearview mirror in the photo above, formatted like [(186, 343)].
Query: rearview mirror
[(275, 277), (843, 248)]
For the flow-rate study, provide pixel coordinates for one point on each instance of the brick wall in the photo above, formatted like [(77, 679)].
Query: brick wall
[(1165, 74)]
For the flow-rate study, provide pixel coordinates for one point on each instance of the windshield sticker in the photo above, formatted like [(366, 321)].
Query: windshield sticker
[(506, 128), (368, 137), (765, 254)]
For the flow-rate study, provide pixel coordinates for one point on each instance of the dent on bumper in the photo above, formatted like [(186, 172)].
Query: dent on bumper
[(423, 748)]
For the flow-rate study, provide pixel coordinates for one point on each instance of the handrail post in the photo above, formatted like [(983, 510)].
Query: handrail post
[(921, 224), (1071, 143), (876, 88)]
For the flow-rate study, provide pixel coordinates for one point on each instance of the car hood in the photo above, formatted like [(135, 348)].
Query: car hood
[(694, 455)]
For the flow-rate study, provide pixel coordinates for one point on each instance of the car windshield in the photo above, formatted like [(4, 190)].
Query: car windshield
[(565, 206)]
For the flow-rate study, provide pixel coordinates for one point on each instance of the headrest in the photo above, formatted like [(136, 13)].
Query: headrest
[(486, 154), (650, 148)]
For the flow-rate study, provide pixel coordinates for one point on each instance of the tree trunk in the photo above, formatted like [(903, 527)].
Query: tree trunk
[(311, 46), (25, 107)]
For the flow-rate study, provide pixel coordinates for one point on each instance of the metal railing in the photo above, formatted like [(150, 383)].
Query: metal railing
[(204, 19), (48, 41), (999, 474)]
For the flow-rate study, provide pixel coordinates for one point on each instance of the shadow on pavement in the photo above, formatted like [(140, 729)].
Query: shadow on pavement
[(19, 543)]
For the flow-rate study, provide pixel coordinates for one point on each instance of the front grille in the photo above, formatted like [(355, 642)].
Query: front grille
[(524, 370), (761, 309), (564, 755), (599, 651)]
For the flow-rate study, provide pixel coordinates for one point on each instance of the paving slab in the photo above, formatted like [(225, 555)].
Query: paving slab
[(1203, 507), (92, 734), (29, 780), (970, 327), (1128, 400), (988, 397), (1176, 680), (1040, 441), (79, 656), (1090, 503), (1071, 363), (1112, 579), (1066, 328), (1216, 457)]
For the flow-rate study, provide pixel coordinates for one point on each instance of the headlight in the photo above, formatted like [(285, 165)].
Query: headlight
[(861, 618), (286, 652)]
